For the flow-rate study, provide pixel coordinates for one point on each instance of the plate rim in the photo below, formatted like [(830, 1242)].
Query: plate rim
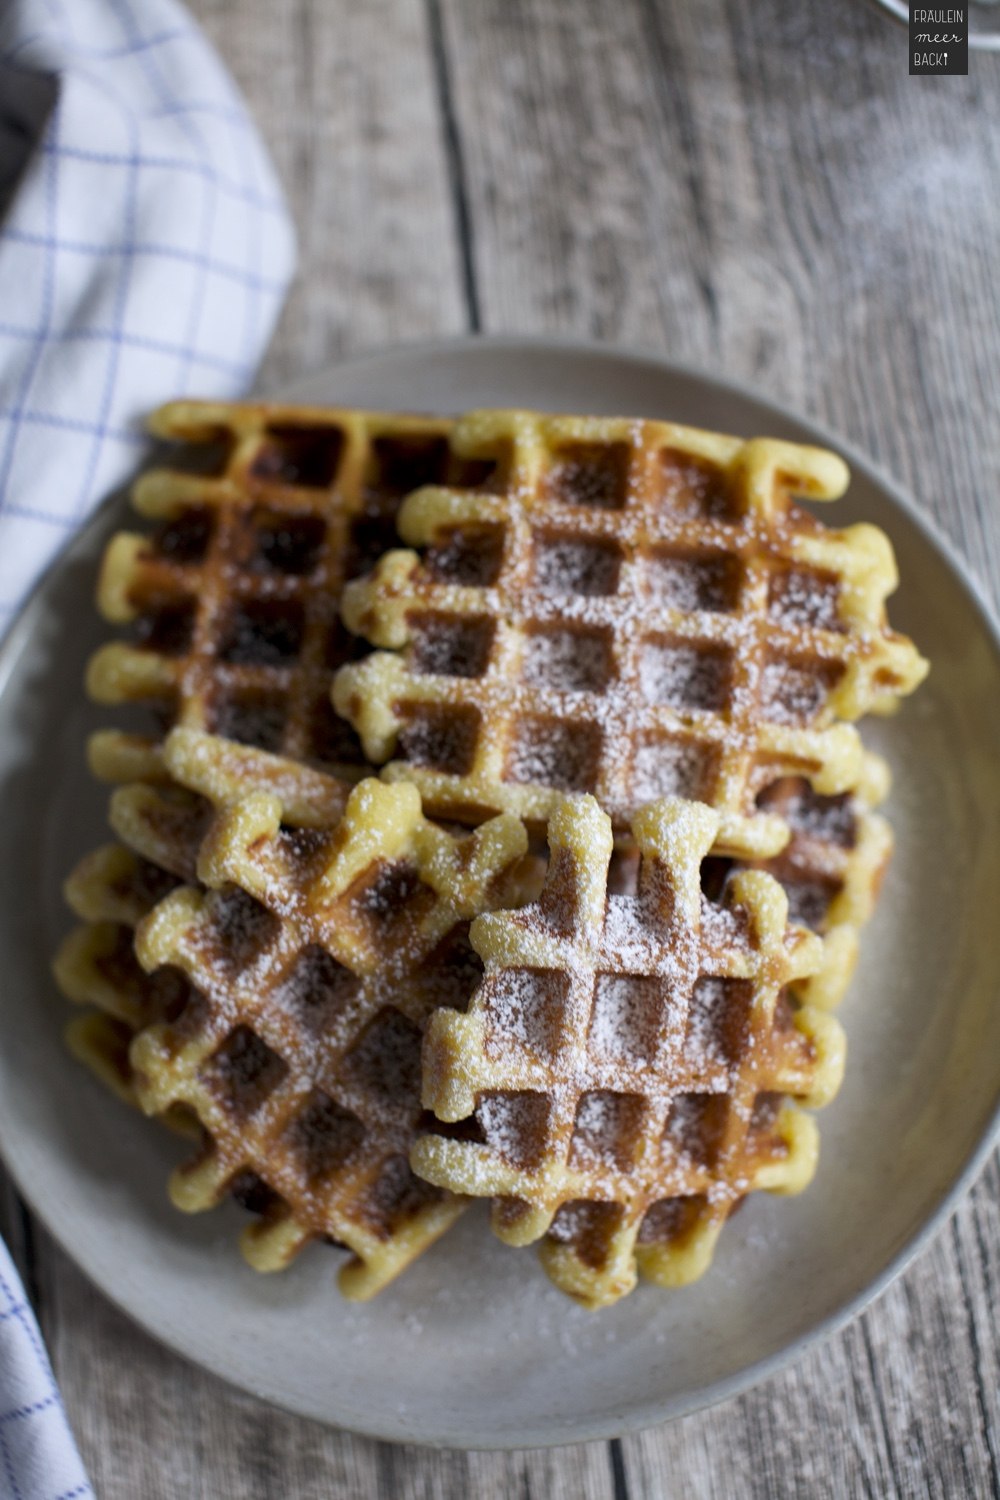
[(652, 1412)]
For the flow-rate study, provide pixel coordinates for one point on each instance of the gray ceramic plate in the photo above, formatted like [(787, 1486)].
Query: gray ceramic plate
[(473, 1348)]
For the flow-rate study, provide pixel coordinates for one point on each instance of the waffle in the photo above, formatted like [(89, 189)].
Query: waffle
[(233, 599), (831, 870), (623, 1070), (313, 957), (635, 610), (113, 888)]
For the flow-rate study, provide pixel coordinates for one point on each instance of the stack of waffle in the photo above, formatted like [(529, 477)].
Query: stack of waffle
[(548, 897)]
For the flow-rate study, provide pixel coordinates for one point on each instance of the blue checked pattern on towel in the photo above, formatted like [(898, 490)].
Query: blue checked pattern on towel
[(146, 255), (145, 252), (38, 1458)]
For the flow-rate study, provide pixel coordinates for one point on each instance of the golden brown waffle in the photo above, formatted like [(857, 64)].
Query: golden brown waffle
[(317, 952), (831, 870), (626, 1062), (636, 610), (234, 597), (112, 889)]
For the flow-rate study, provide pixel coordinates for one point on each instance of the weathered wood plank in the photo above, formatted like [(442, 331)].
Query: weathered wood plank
[(739, 185), (347, 98), (151, 1425), (894, 1406)]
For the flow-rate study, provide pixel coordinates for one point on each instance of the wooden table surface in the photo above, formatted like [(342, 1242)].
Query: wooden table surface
[(754, 186)]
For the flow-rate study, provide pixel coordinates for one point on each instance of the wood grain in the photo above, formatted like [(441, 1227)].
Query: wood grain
[(755, 187), (348, 99)]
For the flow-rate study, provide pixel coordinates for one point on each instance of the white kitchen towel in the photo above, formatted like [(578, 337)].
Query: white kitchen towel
[(38, 1457), (144, 253)]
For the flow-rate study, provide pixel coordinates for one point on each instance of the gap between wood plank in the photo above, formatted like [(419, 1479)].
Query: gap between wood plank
[(676, 105), (619, 1478), (18, 1225), (29, 1255), (456, 163)]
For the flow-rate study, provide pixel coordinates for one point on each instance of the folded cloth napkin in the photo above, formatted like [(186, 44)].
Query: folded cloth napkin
[(144, 253), (38, 1457)]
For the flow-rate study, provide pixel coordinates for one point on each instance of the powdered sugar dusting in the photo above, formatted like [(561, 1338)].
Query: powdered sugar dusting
[(808, 902), (670, 768), (689, 1129), (515, 1125), (526, 1007), (831, 819), (566, 565), (316, 990), (692, 583), (717, 1023), (722, 927), (687, 677), (627, 1017), (591, 474), (567, 660), (635, 936), (243, 928), (803, 598), (607, 1130), (791, 693), (552, 753), (452, 647)]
